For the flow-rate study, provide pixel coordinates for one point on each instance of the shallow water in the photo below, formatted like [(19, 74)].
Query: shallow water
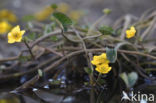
[(59, 91)]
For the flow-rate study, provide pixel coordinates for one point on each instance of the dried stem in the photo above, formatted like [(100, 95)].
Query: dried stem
[(27, 45)]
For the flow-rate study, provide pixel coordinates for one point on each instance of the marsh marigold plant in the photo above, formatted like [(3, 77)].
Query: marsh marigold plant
[(4, 27), (63, 7), (44, 14), (7, 15), (15, 35), (131, 32), (102, 63), (75, 14)]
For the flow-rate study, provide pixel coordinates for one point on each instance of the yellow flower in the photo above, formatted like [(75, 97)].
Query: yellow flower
[(97, 60), (63, 7), (75, 14), (7, 15), (103, 68), (102, 63), (131, 32), (44, 14), (4, 27), (15, 35)]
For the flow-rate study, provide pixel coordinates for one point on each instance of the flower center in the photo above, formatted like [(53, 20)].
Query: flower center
[(16, 36)]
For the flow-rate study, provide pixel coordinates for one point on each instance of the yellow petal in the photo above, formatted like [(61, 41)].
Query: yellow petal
[(63, 7), (22, 32), (11, 41), (103, 68), (108, 69), (12, 18), (16, 29), (9, 36), (19, 39), (44, 14), (128, 36), (130, 33), (132, 28), (104, 55), (98, 69), (97, 60), (127, 31), (94, 62)]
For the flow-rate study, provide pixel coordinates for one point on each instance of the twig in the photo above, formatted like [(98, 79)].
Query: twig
[(47, 36), (27, 45), (12, 58), (53, 51), (137, 67), (126, 24), (9, 59), (148, 29), (69, 39), (88, 58), (58, 62), (94, 24), (31, 70)]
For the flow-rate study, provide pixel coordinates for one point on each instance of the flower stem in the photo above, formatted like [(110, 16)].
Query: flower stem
[(33, 57), (99, 77)]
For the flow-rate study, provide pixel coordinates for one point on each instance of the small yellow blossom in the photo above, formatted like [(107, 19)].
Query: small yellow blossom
[(102, 63), (103, 68), (4, 27), (63, 7), (44, 14), (15, 35), (75, 14), (131, 32), (7, 15), (97, 60)]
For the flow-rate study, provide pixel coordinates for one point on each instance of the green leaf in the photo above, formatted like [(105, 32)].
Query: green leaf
[(28, 18), (106, 30), (54, 38), (111, 54), (2, 67), (24, 58), (63, 19), (49, 28), (88, 70), (54, 6), (29, 25), (55, 82), (129, 79), (107, 11), (25, 38), (124, 77), (32, 36), (40, 73), (101, 81), (132, 78)]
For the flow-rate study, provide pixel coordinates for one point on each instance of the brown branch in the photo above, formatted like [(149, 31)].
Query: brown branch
[(47, 36), (58, 62), (31, 70), (12, 58), (30, 51), (9, 59), (148, 29), (126, 24)]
